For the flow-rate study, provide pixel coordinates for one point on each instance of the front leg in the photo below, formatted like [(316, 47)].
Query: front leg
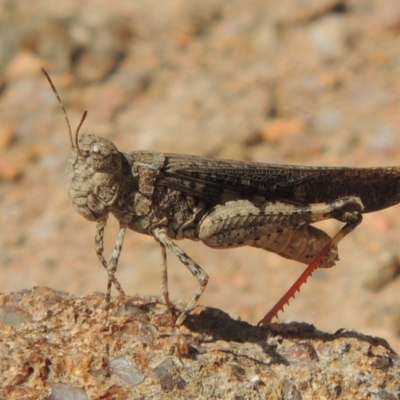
[(160, 234), (112, 267)]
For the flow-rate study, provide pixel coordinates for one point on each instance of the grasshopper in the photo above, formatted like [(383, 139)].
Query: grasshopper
[(223, 203)]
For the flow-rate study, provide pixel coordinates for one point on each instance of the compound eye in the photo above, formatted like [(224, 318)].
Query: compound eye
[(96, 149)]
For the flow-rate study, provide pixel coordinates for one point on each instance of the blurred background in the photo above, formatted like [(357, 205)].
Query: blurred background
[(312, 82)]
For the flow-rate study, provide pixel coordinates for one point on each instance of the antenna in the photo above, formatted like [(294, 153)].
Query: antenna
[(65, 113)]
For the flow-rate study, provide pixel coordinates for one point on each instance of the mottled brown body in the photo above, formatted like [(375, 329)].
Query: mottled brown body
[(223, 203)]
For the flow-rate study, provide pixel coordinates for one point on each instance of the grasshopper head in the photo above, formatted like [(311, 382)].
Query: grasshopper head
[(94, 170), (94, 174)]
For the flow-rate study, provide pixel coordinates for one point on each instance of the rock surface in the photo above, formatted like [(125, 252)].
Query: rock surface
[(56, 346)]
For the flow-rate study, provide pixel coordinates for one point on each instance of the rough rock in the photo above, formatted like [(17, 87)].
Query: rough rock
[(57, 346)]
